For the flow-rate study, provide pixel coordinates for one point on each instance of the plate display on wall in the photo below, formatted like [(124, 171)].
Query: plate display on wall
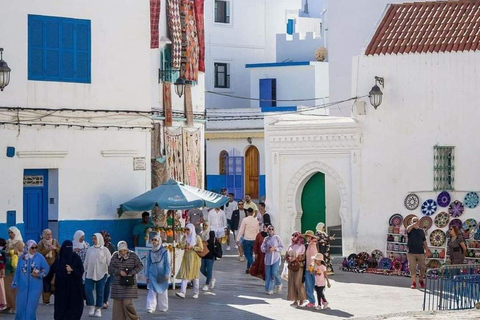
[(426, 222), (408, 220), (456, 222), (469, 224), (411, 201), (377, 254), (471, 200), (405, 266), (396, 220), (397, 265), (443, 199), (441, 219), (456, 208), (437, 238), (385, 264), (429, 207)]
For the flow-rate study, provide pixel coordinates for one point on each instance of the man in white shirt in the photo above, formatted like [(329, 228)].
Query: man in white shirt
[(230, 206), (249, 230), (218, 222)]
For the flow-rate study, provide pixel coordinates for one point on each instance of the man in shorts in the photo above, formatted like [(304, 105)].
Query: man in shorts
[(417, 248)]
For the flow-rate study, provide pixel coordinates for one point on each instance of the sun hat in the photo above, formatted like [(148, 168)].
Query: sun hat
[(309, 233), (318, 256)]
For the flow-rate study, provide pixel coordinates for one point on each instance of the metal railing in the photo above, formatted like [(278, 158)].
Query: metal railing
[(452, 287)]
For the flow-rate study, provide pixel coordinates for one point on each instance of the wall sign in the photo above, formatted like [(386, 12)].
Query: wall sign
[(139, 163)]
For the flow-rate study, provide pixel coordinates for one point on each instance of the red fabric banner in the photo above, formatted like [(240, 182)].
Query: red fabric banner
[(189, 63), (167, 103), (154, 21), (200, 21)]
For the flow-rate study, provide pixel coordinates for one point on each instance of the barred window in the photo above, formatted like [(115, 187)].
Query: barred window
[(443, 168)]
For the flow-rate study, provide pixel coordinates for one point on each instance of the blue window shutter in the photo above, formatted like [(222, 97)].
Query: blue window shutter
[(52, 50), (290, 25), (83, 53), (268, 93), (35, 48), (67, 53)]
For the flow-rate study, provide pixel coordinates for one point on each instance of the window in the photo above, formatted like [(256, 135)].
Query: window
[(290, 26), (222, 162), (444, 168), (222, 11), (222, 75), (268, 93), (166, 73), (59, 49)]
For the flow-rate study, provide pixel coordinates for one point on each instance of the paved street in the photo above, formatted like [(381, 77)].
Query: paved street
[(240, 296)]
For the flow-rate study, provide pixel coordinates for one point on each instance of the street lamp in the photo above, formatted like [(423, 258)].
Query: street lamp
[(376, 94), (180, 86), (4, 72)]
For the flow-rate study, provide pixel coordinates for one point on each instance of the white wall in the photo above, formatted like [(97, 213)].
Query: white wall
[(429, 100), (297, 48), (332, 202), (293, 82)]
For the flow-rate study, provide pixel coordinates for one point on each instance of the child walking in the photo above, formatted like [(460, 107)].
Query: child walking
[(320, 271)]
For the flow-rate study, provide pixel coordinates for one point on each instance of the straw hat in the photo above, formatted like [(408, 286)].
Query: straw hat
[(318, 256), (309, 233)]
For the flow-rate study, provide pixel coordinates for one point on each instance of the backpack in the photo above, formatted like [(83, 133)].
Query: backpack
[(217, 250)]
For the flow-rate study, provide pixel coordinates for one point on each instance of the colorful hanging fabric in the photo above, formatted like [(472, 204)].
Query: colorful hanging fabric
[(189, 64), (192, 155), (188, 105), (200, 22), (154, 20), (167, 103), (175, 31), (174, 153)]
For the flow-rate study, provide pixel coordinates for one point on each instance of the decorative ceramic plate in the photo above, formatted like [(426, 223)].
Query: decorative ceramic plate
[(429, 207), (443, 199), (437, 238), (396, 220), (434, 264), (352, 256), (456, 209), (469, 224), (377, 254), (441, 220), (426, 222), (471, 200), (411, 201), (408, 220), (397, 265), (456, 222), (405, 266), (385, 263)]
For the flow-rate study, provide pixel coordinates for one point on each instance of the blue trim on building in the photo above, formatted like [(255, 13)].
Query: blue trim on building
[(278, 109), (277, 64), (215, 182), (262, 189)]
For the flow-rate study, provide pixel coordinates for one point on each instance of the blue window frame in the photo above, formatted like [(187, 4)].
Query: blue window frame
[(290, 26), (59, 49)]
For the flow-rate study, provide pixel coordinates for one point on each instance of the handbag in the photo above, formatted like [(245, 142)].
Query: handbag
[(204, 251), (127, 281), (217, 251), (294, 265)]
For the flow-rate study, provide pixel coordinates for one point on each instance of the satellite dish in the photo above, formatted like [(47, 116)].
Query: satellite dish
[(321, 54)]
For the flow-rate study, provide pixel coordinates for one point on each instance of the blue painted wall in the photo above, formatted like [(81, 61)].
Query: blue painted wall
[(262, 191), (215, 182), (4, 230)]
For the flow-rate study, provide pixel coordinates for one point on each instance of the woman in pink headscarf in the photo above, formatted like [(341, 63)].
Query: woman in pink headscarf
[(295, 256)]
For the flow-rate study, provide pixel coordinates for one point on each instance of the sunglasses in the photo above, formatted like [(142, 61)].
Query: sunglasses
[(271, 228), (34, 248), (154, 239)]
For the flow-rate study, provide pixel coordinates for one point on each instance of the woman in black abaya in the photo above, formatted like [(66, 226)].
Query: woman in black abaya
[(67, 271)]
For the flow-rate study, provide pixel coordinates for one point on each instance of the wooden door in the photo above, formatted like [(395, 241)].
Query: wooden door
[(252, 172)]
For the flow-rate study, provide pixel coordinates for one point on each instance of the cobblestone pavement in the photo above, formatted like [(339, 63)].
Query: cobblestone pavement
[(240, 296)]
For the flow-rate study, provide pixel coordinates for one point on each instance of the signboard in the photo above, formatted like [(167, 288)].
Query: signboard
[(139, 163)]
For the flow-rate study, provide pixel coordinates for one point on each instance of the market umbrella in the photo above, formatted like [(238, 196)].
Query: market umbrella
[(173, 195)]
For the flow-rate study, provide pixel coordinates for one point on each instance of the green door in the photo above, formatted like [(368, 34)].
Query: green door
[(313, 202)]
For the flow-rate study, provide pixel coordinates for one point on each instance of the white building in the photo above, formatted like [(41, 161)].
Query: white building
[(76, 118), (419, 140)]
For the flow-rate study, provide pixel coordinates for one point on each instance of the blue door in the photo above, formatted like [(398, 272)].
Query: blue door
[(234, 176), (35, 203), (268, 93)]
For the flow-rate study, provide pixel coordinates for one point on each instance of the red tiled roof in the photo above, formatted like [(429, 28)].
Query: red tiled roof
[(428, 27)]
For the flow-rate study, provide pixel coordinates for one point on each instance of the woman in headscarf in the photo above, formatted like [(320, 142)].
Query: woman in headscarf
[(206, 268), (258, 267), (108, 244), (124, 264), (49, 248), (272, 247), (324, 245), (96, 272), (31, 269), (13, 250), (158, 275), (3, 259), (190, 267), (80, 246), (295, 257), (68, 271)]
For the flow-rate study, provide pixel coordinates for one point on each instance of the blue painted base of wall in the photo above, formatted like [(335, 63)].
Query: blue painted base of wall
[(262, 190), (215, 183)]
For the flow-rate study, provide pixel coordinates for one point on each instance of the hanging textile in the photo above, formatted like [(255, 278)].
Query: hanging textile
[(175, 31), (189, 64), (192, 155), (174, 153), (200, 23), (156, 150), (188, 105), (167, 103), (154, 20), (159, 172)]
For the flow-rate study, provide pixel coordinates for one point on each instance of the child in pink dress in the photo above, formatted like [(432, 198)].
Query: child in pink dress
[(3, 299), (320, 271)]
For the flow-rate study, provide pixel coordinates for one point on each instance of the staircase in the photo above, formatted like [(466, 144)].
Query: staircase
[(335, 245)]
